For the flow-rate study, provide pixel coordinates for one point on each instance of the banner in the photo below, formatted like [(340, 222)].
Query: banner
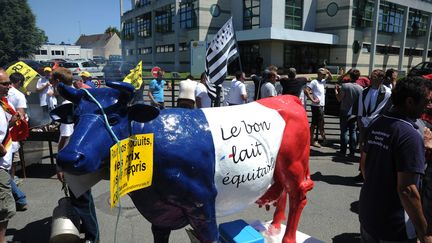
[(135, 76), (135, 169), (28, 72)]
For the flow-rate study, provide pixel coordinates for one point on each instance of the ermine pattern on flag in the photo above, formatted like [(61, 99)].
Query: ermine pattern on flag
[(222, 50)]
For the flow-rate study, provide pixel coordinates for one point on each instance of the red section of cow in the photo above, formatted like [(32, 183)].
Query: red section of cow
[(292, 174)]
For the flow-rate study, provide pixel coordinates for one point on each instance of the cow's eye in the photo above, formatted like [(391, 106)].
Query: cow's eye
[(112, 121)]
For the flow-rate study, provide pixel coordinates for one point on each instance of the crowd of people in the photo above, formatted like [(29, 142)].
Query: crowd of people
[(385, 119)]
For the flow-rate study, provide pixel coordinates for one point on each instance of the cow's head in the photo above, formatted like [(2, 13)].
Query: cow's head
[(92, 138)]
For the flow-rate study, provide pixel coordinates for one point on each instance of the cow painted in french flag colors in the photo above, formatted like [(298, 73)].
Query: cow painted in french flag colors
[(207, 162)]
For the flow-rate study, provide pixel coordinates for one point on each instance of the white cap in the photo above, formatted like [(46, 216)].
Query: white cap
[(187, 89)]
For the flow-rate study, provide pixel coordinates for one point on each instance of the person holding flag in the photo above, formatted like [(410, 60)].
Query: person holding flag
[(221, 51), (135, 78)]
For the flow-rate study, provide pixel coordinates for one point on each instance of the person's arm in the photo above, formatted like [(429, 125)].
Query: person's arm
[(338, 93), (308, 93), (40, 87), (243, 95), (3, 150), (198, 102), (152, 100), (329, 76), (411, 202), (61, 144), (169, 87), (362, 164)]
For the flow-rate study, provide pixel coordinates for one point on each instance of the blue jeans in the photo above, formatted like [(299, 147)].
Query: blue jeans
[(85, 208), (19, 196), (348, 134)]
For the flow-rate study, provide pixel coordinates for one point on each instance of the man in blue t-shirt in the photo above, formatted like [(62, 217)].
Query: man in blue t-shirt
[(392, 164), (156, 90)]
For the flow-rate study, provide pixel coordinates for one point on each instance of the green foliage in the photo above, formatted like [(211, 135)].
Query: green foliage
[(112, 29), (19, 36)]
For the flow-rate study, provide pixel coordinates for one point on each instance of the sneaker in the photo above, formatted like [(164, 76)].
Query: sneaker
[(341, 154), (21, 207), (316, 144)]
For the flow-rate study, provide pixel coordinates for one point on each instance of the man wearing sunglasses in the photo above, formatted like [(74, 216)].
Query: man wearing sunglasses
[(7, 202)]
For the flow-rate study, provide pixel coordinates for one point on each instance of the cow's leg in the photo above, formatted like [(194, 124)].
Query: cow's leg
[(203, 221), (297, 200), (160, 234), (279, 214)]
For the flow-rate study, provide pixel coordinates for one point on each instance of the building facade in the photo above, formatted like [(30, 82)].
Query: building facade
[(104, 45), (305, 34), (59, 51)]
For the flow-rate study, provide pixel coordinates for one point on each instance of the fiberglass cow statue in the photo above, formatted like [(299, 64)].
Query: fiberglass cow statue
[(207, 162)]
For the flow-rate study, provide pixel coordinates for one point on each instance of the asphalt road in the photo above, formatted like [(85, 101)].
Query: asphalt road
[(330, 214)]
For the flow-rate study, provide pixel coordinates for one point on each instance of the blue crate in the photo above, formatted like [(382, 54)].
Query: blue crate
[(239, 231)]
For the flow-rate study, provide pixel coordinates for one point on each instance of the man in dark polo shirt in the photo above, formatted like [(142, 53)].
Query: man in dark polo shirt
[(392, 164)]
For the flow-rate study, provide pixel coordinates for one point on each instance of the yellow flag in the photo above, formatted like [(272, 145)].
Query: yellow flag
[(28, 72), (135, 76)]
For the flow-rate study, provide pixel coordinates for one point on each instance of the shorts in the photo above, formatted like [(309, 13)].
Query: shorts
[(7, 202), (317, 114)]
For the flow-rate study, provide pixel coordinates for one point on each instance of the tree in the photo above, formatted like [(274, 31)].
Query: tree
[(19, 36), (111, 29)]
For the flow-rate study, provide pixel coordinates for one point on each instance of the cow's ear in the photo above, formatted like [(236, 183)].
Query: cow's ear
[(142, 113), (63, 114)]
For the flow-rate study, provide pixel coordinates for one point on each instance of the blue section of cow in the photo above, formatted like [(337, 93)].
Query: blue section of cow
[(183, 189)]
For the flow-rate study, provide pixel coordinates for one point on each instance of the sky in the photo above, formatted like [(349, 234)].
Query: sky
[(65, 20)]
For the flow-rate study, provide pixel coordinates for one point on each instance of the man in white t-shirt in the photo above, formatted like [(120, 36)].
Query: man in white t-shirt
[(46, 94), (17, 99), (268, 89), (201, 96), (315, 91), (237, 94), (7, 202)]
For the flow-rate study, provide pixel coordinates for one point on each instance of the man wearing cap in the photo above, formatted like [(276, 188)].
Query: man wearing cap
[(46, 94), (315, 91), (87, 79), (237, 94), (78, 83)]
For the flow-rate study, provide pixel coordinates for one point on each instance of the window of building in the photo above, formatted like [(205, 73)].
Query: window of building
[(41, 52), (129, 52), (144, 25), (294, 14), (248, 54), (251, 14), (387, 50), (183, 46), (164, 19), (413, 52), (143, 3), (362, 15), (128, 30), (390, 18), (165, 48), (417, 23), (144, 50), (305, 58), (188, 14), (57, 53)]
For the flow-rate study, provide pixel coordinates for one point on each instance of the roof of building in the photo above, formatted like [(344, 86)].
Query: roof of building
[(91, 41)]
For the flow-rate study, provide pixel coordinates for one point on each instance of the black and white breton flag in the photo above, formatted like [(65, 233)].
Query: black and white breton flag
[(221, 51)]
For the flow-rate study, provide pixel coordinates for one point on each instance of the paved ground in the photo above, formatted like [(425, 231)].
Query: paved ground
[(330, 215)]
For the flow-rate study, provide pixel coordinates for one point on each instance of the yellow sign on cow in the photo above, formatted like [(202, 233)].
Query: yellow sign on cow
[(131, 165)]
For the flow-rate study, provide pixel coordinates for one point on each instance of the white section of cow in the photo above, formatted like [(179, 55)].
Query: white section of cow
[(247, 140)]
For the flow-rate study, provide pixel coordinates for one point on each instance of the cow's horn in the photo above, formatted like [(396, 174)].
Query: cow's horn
[(127, 88), (69, 93)]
